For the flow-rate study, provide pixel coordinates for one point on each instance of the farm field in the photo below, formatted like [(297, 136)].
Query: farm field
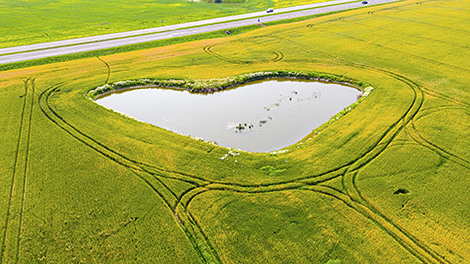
[(28, 22), (386, 183)]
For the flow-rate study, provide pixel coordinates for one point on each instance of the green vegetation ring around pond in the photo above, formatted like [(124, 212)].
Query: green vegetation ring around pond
[(218, 84)]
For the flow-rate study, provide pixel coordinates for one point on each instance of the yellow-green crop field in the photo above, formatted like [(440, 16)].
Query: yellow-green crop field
[(389, 182)]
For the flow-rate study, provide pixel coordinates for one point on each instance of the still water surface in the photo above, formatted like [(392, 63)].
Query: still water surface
[(259, 117)]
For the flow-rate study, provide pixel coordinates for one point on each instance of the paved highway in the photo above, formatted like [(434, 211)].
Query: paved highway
[(57, 48)]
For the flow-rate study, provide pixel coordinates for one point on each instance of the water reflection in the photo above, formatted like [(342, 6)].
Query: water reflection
[(260, 116)]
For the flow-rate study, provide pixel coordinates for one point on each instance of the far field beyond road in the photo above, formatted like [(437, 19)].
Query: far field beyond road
[(28, 22)]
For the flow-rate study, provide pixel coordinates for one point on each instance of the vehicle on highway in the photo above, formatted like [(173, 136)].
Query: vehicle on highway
[(270, 10), (365, 2)]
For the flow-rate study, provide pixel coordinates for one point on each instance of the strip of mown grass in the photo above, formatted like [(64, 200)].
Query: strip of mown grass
[(103, 187)]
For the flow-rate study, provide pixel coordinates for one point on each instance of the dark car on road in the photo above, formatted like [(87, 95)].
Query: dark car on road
[(365, 2)]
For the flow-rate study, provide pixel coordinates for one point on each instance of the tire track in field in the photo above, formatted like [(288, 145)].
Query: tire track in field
[(278, 56), (7, 219), (58, 120), (323, 190), (145, 172), (196, 232), (412, 242), (417, 137), (456, 104), (149, 178), (372, 216), (52, 115), (355, 197), (420, 139), (424, 89), (429, 254), (109, 69), (435, 109), (10, 247), (190, 225), (25, 180)]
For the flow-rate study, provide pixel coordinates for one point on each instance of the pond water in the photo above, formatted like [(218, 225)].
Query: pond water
[(260, 116)]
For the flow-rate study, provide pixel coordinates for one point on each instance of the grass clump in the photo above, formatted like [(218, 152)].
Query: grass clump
[(271, 170)]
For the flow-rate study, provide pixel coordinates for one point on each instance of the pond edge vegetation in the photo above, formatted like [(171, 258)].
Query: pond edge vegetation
[(219, 84)]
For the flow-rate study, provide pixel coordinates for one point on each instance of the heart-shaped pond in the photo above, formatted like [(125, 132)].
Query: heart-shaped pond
[(260, 116)]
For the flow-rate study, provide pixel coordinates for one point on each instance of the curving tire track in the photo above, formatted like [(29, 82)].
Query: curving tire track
[(355, 198), (418, 138), (413, 244), (432, 256), (180, 205), (278, 56), (107, 66), (147, 173)]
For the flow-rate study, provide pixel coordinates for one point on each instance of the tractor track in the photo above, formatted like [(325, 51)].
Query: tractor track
[(180, 204), (278, 57), (414, 245), (230, 186), (13, 177), (108, 67), (30, 122), (130, 164), (358, 201), (10, 247), (432, 255)]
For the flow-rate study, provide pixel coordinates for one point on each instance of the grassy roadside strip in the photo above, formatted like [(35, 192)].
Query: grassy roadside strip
[(152, 44)]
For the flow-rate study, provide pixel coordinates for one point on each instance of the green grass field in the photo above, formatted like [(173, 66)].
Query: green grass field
[(386, 183), (27, 22)]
